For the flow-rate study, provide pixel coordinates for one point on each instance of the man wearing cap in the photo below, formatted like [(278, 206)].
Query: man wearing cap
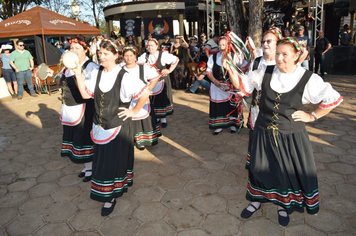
[(303, 41), (22, 62)]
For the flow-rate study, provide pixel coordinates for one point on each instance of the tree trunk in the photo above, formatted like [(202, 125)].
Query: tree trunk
[(255, 21), (94, 14), (235, 11)]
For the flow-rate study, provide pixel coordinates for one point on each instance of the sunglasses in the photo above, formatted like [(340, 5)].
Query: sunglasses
[(268, 41), (21, 45)]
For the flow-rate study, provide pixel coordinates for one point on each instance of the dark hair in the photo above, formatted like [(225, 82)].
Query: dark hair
[(19, 41), (131, 49), (112, 47), (80, 40)]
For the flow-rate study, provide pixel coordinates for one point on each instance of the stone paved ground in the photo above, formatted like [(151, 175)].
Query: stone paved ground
[(191, 184)]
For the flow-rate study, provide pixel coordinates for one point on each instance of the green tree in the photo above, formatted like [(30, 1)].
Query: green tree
[(9, 8), (94, 9), (59, 6)]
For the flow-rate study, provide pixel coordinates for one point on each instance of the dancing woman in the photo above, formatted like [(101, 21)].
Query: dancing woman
[(162, 102), (77, 113), (282, 168), (222, 113), (146, 132), (112, 88), (269, 42)]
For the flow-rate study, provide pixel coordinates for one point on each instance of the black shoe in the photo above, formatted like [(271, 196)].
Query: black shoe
[(105, 211), (246, 213), (283, 220), (217, 131), (81, 174), (164, 124), (87, 178)]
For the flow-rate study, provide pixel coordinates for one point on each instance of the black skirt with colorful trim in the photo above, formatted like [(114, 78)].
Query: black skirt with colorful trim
[(146, 132), (113, 166), (224, 114), (282, 171), (76, 142), (163, 103)]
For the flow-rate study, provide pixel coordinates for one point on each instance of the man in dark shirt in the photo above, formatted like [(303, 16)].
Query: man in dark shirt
[(167, 44), (303, 41), (345, 36), (321, 47)]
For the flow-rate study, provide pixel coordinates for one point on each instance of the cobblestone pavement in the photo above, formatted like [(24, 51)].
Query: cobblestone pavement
[(191, 184)]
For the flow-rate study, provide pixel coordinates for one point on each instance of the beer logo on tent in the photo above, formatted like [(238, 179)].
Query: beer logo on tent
[(18, 22)]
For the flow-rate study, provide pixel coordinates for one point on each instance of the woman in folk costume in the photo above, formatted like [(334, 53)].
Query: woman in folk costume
[(162, 101), (112, 89), (269, 42), (77, 113), (282, 168), (145, 132), (222, 110)]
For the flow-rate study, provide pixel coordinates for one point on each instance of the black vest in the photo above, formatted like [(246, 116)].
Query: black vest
[(142, 73), (158, 63), (256, 94), (70, 92), (217, 71), (107, 104), (276, 109)]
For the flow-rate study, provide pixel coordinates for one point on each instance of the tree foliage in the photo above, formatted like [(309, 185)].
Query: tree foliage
[(9, 8), (59, 6), (94, 9)]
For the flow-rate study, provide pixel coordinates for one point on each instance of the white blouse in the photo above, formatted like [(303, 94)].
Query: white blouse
[(72, 115), (129, 85), (315, 91), (150, 73), (263, 64), (166, 58), (131, 88), (210, 63)]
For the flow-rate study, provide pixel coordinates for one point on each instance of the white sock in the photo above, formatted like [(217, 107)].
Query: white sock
[(108, 204), (163, 120), (282, 213), (88, 165), (218, 130), (255, 204)]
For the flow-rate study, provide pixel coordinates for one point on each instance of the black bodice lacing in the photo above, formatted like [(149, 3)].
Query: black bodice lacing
[(273, 125)]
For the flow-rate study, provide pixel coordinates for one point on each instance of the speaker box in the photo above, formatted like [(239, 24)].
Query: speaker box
[(191, 14), (341, 7)]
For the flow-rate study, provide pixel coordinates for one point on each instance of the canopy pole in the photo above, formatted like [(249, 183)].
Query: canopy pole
[(44, 48), (45, 61)]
